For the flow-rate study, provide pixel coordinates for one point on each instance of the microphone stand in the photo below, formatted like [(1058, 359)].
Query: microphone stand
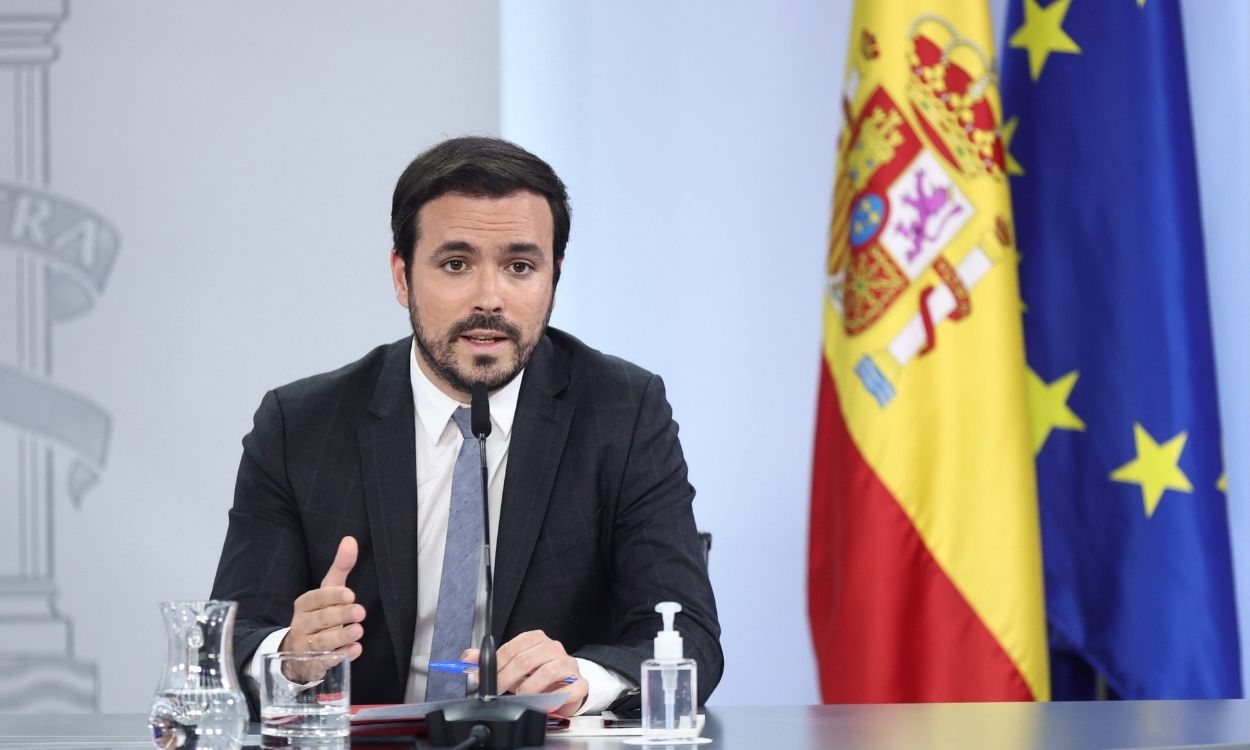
[(485, 722)]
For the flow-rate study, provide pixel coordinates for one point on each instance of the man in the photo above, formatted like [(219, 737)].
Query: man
[(350, 518)]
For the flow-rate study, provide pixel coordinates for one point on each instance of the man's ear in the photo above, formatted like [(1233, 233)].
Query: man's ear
[(399, 275)]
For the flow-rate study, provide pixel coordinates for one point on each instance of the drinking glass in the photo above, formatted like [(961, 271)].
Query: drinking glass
[(306, 695)]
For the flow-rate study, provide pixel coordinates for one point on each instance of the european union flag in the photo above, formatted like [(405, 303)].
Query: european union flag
[(1122, 386)]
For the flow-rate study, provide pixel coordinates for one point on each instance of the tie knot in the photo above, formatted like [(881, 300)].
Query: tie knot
[(461, 417)]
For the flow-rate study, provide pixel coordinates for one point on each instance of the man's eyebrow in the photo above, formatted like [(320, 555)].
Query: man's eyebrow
[(454, 246), (451, 247)]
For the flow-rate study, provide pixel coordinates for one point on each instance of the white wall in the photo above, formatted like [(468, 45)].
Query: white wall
[(698, 145), (246, 154), (1219, 89)]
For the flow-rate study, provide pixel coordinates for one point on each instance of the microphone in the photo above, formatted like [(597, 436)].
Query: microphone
[(485, 721), (479, 412), (479, 421)]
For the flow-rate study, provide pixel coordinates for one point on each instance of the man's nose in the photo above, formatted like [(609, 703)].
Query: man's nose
[(488, 294)]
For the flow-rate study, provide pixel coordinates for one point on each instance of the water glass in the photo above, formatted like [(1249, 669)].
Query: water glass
[(306, 696)]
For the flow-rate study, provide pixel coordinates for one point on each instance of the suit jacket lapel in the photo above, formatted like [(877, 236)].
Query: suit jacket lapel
[(388, 463), (539, 432)]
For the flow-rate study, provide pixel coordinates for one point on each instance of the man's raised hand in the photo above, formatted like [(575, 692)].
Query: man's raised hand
[(328, 618)]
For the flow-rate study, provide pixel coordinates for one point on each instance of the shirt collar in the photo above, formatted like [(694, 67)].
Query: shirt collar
[(434, 408)]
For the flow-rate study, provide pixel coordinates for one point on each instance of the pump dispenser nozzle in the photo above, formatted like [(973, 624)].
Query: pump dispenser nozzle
[(668, 645), (667, 610)]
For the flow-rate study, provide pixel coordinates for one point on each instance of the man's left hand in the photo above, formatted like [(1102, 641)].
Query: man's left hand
[(533, 663)]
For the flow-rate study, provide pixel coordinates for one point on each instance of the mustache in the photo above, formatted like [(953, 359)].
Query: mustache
[(482, 322)]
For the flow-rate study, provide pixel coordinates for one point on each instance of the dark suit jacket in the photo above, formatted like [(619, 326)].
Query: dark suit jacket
[(595, 527)]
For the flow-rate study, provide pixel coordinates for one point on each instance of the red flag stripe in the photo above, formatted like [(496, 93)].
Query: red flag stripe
[(887, 623)]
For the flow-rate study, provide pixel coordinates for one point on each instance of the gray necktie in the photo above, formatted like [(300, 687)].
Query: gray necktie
[(462, 562)]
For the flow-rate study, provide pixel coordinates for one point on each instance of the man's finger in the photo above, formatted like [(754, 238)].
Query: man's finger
[(522, 642), (334, 638), (549, 677), (522, 665), (577, 696), (353, 651), (332, 617), (311, 601), (344, 561)]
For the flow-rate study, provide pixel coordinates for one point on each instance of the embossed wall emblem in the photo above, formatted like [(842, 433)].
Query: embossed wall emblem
[(55, 259)]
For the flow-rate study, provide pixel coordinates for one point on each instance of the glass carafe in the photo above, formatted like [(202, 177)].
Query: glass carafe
[(198, 703)]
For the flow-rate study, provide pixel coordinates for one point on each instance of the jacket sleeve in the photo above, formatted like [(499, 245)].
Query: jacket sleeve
[(657, 554), (263, 560)]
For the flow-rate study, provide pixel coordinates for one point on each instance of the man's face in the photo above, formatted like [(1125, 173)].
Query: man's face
[(479, 289)]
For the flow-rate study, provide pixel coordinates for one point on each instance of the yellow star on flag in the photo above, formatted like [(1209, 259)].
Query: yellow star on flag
[(1156, 468), (1222, 484), (1009, 132), (1042, 33), (1048, 407)]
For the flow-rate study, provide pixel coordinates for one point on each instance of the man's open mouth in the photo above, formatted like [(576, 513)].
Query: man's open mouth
[(485, 338)]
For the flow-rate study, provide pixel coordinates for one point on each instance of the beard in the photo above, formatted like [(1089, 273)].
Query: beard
[(492, 371)]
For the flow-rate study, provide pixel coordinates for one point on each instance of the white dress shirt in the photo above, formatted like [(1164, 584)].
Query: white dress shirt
[(438, 442)]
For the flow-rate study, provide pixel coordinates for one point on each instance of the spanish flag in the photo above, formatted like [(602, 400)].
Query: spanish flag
[(925, 572)]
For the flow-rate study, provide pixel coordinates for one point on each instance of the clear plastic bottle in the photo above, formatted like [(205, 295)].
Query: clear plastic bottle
[(670, 698)]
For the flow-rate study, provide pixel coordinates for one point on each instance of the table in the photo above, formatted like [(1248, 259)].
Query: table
[(936, 726)]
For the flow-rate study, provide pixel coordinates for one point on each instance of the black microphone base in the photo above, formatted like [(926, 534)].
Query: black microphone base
[(511, 724)]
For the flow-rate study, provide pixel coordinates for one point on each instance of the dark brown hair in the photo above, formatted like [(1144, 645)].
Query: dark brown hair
[(479, 167)]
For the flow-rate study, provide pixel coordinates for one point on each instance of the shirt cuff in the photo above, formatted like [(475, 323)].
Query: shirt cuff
[(271, 644), (606, 685)]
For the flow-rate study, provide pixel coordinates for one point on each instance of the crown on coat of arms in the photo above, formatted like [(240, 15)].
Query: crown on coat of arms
[(949, 91)]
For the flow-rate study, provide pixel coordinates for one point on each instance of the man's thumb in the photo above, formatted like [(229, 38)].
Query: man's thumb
[(344, 561)]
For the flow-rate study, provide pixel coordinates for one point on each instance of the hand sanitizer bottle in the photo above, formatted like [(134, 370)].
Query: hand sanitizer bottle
[(669, 698)]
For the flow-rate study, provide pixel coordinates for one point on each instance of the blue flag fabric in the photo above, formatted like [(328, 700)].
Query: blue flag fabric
[(1135, 534)]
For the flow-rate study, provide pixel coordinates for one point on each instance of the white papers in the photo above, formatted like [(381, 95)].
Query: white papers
[(592, 726)]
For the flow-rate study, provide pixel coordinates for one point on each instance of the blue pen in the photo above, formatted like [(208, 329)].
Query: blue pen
[(467, 666)]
